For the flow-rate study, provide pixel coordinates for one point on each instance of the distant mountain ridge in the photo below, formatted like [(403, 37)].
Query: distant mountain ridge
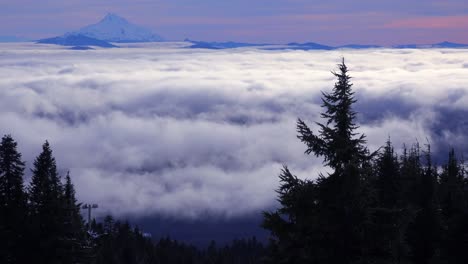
[(315, 46), (309, 46), (444, 44), (221, 45)]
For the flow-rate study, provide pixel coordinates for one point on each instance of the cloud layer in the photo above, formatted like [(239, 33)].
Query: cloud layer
[(158, 129)]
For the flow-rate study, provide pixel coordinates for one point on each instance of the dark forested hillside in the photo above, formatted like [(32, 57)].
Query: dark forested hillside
[(41, 223), (117, 242)]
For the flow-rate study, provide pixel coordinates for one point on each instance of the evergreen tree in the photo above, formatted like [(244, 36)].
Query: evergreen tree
[(13, 203), (451, 188), (294, 227), (332, 224), (454, 211), (411, 173), (108, 225), (343, 198), (47, 210), (388, 177), (74, 243), (424, 232), (336, 141), (389, 222)]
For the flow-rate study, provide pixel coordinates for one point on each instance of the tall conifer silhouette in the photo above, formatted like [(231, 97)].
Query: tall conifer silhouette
[(47, 209), (326, 219), (336, 141), (13, 203)]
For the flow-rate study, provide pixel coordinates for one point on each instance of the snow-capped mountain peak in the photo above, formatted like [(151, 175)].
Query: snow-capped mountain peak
[(114, 28), (113, 18)]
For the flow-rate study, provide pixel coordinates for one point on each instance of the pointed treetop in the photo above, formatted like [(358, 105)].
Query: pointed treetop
[(68, 183), (46, 152), (9, 153), (11, 174), (45, 165), (336, 141)]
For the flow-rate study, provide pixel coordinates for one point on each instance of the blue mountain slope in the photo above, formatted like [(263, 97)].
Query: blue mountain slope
[(445, 44), (314, 46), (359, 46), (221, 45), (81, 48), (308, 46), (409, 46), (232, 45), (76, 40)]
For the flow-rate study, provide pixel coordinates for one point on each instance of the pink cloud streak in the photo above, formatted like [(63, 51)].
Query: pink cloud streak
[(436, 22)]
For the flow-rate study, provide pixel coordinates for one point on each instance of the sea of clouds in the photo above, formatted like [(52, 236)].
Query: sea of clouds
[(161, 129)]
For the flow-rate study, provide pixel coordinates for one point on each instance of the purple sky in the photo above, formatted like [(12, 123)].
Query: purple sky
[(330, 22)]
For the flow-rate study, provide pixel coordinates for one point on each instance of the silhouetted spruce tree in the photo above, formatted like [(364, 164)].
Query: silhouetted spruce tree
[(454, 211), (388, 177), (13, 203), (109, 224), (333, 224), (106, 249), (47, 210), (411, 174), (294, 227), (343, 203), (336, 141), (74, 243), (389, 213), (425, 231), (451, 187)]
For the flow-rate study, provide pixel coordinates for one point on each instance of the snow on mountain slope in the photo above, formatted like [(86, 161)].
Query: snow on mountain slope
[(114, 28)]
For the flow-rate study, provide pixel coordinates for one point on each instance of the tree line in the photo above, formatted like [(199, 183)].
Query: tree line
[(41, 223), (117, 242), (377, 207)]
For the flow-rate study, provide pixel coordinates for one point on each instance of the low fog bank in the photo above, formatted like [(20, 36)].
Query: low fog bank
[(191, 133)]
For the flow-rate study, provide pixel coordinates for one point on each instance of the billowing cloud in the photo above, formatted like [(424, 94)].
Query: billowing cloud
[(159, 129)]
